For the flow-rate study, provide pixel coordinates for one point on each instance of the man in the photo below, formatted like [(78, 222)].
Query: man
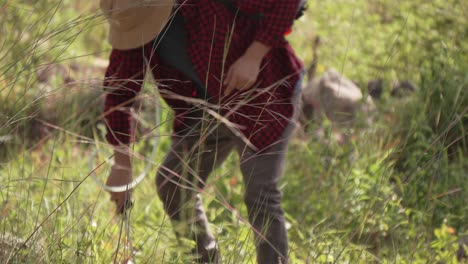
[(252, 77), (134, 26)]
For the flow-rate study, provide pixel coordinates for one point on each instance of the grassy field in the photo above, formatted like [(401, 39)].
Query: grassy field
[(395, 193)]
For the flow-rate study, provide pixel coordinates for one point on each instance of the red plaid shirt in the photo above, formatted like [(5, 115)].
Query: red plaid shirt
[(263, 111)]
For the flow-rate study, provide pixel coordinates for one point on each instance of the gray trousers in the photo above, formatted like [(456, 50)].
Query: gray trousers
[(187, 166)]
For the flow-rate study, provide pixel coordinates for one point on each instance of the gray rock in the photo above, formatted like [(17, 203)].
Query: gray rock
[(375, 88), (402, 88), (335, 97)]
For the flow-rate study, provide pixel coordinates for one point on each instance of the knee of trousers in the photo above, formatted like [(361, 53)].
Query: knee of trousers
[(263, 199)]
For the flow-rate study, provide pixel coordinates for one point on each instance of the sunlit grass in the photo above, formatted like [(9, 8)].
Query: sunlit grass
[(352, 203)]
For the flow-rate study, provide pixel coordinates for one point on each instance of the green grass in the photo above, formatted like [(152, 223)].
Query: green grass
[(396, 193)]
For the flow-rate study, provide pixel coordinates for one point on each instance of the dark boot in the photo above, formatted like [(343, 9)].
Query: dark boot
[(208, 254)]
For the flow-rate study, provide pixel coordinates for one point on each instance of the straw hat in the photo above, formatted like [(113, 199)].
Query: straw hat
[(134, 23)]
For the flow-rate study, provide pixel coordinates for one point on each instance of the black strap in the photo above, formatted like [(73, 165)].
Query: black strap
[(301, 9), (231, 6), (172, 49)]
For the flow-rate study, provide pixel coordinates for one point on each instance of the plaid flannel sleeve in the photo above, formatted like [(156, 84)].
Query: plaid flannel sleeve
[(122, 83)]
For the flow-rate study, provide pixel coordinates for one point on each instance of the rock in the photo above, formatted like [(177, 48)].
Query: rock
[(399, 88), (375, 88), (336, 97), (402, 88)]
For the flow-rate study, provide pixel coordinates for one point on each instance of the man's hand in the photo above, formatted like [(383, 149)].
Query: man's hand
[(121, 175), (243, 73)]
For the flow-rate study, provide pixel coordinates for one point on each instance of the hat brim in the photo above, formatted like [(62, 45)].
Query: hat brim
[(144, 32)]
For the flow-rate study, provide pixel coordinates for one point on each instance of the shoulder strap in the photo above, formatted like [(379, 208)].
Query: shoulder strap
[(301, 9), (172, 49)]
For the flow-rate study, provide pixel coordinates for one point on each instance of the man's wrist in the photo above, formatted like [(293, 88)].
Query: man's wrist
[(122, 156), (257, 51)]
